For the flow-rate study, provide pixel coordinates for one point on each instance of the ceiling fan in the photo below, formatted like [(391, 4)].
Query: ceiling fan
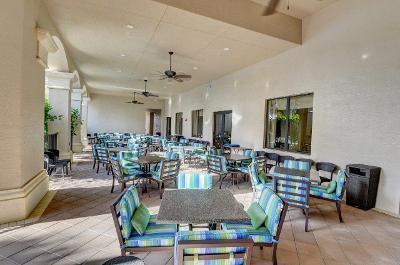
[(145, 92), (171, 74), (271, 7), (134, 101)]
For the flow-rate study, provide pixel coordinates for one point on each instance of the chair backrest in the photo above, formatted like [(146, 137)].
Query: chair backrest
[(111, 144), (102, 154), (326, 166), (194, 180), (215, 151), (122, 211), (169, 155), (253, 172), (216, 164), (169, 169), (275, 208), (294, 190), (310, 161), (116, 169), (233, 247), (261, 162), (249, 153), (299, 165), (273, 157), (129, 155), (283, 158), (340, 183)]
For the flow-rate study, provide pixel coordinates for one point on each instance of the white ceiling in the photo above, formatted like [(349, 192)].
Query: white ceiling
[(299, 8), (95, 34)]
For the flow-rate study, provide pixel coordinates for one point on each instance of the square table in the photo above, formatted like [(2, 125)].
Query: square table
[(200, 207)]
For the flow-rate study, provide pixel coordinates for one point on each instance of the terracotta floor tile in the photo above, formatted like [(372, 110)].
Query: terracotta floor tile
[(77, 227)]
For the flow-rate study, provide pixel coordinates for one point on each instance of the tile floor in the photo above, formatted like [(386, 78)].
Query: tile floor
[(77, 228)]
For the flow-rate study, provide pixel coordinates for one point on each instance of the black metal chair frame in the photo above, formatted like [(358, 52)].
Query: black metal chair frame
[(327, 167), (167, 175), (217, 160), (115, 212), (103, 157), (273, 157)]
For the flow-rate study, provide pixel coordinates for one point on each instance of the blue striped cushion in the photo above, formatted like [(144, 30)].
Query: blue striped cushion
[(151, 240), (211, 235), (238, 261), (299, 165), (128, 204), (273, 206), (260, 235), (194, 180), (341, 183), (317, 192)]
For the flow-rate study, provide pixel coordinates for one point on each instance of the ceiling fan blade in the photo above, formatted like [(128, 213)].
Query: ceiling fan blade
[(130, 102), (153, 95), (164, 77), (270, 8), (178, 80), (140, 103), (184, 76)]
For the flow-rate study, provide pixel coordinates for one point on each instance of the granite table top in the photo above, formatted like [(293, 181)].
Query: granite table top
[(200, 207)]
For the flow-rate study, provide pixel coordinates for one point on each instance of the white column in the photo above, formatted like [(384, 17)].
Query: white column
[(84, 117), (76, 103), (59, 85)]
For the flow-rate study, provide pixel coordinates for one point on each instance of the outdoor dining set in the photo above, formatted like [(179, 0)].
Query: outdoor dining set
[(219, 228)]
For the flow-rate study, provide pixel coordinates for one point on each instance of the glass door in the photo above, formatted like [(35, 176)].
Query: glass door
[(222, 128)]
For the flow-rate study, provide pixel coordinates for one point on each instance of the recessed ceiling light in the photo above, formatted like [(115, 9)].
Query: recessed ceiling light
[(130, 26), (364, 56), (123, 55), (226, 49), (195, 68), (118, 71)]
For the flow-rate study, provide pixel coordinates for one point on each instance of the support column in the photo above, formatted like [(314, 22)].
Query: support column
[(76, 103), (84, 118), (59, 85), (23, 181)]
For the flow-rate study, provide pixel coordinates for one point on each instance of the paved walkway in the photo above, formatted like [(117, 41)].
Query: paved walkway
[(77, 228)]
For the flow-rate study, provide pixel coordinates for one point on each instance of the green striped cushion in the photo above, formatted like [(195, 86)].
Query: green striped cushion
[(194, 180), (273, 206)]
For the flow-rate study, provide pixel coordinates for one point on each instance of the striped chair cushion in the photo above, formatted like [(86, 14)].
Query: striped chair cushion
[(151, 240), (317, 192), (273, 206), (194, 180), (341, 183), (211, 235), (171, 155), (299, 188), (260, 235), (299, 165), (238, 261), (128, 204)]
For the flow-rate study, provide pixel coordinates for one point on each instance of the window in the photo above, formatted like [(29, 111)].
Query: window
[(197, 123), (289, 123), (178, 123)]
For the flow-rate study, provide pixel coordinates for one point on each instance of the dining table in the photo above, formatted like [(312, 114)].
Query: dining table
[(192, 206), (116, 150)]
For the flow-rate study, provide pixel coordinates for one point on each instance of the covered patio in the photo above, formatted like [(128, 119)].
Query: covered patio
[(200, 132)]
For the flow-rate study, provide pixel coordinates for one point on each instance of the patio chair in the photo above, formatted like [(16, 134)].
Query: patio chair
[(169, 170), (57, 159), (268, 234), (213, 248), (218, 165), (327, 167), (183, 141), (103, 157), (272, 160), (310, 161), (94, 146), (156, 237), (127, 161), (244, 165), (256, 184), (121, 176), (296, 164), (295, 191), (55, 163), (194, 180), (48, 166), (283, 158), (323, 193)]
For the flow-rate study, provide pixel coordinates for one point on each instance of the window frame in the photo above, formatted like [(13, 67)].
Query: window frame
[(266, 120), (176, 123), (195, 114)]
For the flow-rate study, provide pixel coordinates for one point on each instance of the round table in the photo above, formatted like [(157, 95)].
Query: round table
[(125, 260), (146, 161)]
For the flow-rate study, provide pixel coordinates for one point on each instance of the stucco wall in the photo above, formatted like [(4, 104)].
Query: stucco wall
[(350, 60), (111, 114)]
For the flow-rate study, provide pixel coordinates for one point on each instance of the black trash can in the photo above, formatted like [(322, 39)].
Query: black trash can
[(362, 185)]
